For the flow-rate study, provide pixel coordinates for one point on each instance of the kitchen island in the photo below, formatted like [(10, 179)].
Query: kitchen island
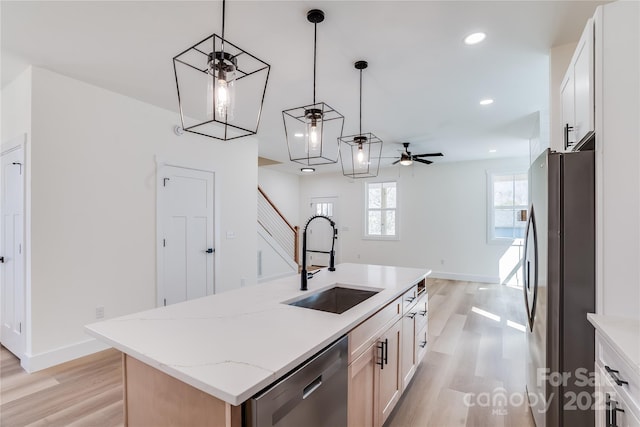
[(216, 352)]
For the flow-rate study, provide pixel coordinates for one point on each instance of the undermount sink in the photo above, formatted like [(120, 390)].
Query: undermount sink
[(335, 300)]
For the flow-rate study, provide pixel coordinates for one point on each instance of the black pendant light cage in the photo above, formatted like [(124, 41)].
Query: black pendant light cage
[(313, 131), (329, 125), (360, 153), (202, 110)]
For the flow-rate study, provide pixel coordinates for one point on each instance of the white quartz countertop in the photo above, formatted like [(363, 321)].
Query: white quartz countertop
[(232, 345), (622, 333)]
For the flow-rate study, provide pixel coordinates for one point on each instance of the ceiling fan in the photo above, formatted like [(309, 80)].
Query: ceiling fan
[(406, 158)]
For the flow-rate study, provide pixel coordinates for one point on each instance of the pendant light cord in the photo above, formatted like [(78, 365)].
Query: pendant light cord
[(315, 47), (360, 102), (224, 4)]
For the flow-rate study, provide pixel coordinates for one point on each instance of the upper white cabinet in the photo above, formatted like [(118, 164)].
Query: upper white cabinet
[(577, 91)]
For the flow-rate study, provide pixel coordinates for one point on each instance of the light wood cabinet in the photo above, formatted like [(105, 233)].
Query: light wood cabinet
[(384, 353), (363, 402), (577, 91), (409, 353), (389, 379)]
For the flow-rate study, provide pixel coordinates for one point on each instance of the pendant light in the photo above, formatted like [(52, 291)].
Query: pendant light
[(312, 131), (221, 88), (360, 154)]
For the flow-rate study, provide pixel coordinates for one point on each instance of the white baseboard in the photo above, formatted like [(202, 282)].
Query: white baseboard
[(36, 362), (276, 276), (464, 277)]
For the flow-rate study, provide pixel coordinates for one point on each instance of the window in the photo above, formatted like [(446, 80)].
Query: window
[(381, 207), (508, 197), (324, 208)]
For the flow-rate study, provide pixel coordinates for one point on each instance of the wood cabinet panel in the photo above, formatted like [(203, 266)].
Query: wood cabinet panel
[(363, 402), (389, 378), (365, 334), (153, 398), (409, 353)]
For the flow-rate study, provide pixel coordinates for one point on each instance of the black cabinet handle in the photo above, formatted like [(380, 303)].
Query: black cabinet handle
[(1, 260), (423, 313), (423, 344), (381, 362), (386, 351), (567, 129), (411, 315), (209, 251), (411, 299), (611, 412), (614, 375)]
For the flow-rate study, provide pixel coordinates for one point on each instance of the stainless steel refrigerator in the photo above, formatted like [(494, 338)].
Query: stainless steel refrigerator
[(559, 288)]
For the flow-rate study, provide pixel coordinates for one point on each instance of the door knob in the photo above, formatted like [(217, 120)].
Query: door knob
[(1, 260), (210, 251)]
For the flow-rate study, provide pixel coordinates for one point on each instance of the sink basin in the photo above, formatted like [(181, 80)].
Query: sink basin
[(335, 300)]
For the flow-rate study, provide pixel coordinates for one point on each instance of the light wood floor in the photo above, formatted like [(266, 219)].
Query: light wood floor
[(475, 348)]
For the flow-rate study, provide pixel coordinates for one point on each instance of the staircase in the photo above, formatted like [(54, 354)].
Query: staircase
[(278, 253)]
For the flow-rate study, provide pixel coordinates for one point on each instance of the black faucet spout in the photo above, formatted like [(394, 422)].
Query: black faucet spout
[(304, 275)]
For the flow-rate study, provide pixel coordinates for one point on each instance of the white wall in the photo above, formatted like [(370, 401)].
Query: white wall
[(283, 189), (93, 166), (442, 223)]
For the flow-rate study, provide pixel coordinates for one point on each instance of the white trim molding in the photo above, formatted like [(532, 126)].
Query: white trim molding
[(465, 277), (37, 362)]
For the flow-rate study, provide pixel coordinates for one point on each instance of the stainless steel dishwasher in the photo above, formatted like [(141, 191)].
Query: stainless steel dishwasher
[(313, 395)]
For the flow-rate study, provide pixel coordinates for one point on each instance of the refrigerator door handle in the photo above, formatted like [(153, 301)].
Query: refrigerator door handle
[(531, 232)]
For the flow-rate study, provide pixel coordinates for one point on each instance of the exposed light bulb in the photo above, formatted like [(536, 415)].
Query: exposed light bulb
[(221, 90), (360, 154), (313, 136)]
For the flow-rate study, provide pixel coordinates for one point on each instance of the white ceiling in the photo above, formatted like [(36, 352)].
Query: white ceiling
[(423, 84)]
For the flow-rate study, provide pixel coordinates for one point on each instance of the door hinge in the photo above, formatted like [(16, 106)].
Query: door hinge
[(164, 242), (20, 327), (165, 302)]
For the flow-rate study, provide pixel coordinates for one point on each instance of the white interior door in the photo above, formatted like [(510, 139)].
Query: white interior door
[(320, 233), (12, 294), (186, 219)]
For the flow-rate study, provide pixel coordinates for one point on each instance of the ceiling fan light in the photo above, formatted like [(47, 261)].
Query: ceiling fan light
[(406, 162)]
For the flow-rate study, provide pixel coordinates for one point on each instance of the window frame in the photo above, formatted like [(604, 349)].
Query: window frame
[(365, 221), (491, 238)]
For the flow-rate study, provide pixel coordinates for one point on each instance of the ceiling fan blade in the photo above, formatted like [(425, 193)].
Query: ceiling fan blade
[(396, 162), (426, 162), (391, 157), (428, 155)]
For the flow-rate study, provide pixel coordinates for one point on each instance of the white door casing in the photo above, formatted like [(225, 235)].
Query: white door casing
[(185, 234), (12, 250), (320, 233)]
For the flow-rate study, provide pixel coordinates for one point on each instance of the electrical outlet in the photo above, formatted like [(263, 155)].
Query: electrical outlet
[(100, 312)]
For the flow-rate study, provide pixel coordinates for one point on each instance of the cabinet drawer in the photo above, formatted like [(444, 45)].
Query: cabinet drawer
[(361, 337), (409, 299), (422, 338), (422, 311), (611, 360)]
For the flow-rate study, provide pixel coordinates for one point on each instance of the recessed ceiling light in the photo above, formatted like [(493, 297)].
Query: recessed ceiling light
[(492, 151), (307, 170), (298, 135), (474, 38), (488, 101)]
